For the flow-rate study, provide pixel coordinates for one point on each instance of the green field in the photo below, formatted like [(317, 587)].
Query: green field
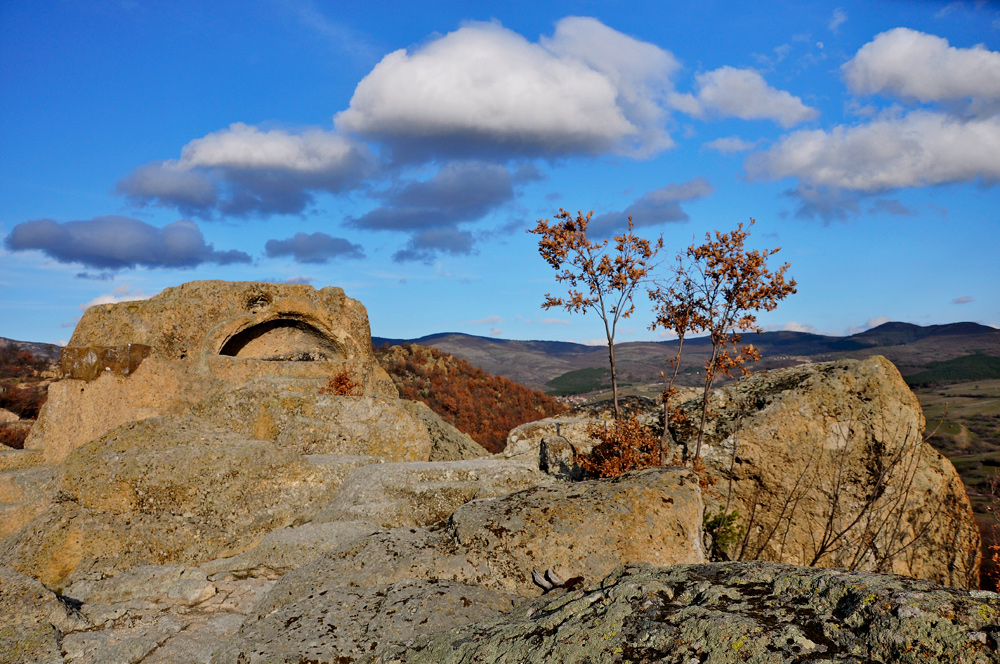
[(959, 370), (579, 381)]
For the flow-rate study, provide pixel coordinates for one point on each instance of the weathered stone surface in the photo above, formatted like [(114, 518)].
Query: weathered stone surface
[(165, 490), (579, 530), (203, 337), (88, 362), (447, 442), (79, 411), (7, 416), (338, 624), (836, 444), (32, 620), (158, 630), (583, 529), (286, 549), (295, 415), (793, 451), (422, 493), (173, 584), (729, 612), (24, 494)]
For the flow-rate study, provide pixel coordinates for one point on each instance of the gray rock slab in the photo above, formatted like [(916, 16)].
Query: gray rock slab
[(32, 619), (174, 584), (422, 493), (346, 624), (285, 549), (729, 612)]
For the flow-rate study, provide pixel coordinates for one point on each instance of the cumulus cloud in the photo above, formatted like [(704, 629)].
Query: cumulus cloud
[(918, 149), (965, 299), (897, 148), (729, 92), (730, 144), (869, 324), (116, 242), (313, 248), (653, 208), (892, 206), (482, 89), (123, 293), (489, 320), (426, 245), (242, 170), (913, 65), (461, 191), (838, 19)]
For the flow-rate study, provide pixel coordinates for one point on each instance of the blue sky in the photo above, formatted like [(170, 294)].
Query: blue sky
[(399, 150)]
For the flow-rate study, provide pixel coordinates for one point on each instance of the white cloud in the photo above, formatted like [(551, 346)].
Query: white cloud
[(243, 146), (555, 321), (742, 93), (838, 19), (243, 170), (587, 89), (495, 331), (914, 65), (792, 326), (869, 324), (918, 149), (123, 293), (730, 144), (965, 299), (489, 320)]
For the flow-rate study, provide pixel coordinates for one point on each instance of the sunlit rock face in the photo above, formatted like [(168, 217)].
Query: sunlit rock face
[(134, 360)]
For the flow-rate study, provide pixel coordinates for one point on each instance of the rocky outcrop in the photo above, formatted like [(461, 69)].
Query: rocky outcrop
[(579, 531), (819, 464), (423, 493), (135, 360), (164, 490), (729, 612)]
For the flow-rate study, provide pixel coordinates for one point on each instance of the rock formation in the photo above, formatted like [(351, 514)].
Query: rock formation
[(820, 464), (195, 493)]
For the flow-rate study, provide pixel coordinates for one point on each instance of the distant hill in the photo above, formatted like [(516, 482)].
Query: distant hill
[(49, 352), (912, 348)]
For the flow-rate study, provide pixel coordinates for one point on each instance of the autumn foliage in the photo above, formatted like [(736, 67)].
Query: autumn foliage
[(342, 384), (601, 279), (484, 406), (626, 444)]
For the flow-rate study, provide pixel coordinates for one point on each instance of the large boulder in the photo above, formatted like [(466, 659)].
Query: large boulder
[(174, 489), (825, 464), (134, 360), (33, 620), (819, 464), (422, 493), (578, 531), (729, 612)]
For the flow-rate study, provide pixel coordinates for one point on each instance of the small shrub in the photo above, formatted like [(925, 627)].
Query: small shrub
[(625, 445), (342, 384), (13, 436), (725, 530)]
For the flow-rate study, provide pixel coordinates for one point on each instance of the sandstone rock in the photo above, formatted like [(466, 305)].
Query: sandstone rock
[(793, 451), (200, 338), (584, 529), (295, 415), (447, 442), (580, 530), (7, 416), (836, 444), (174, 584), (165, 490), (285, 549), (729, 612), (422, 493), (338, 624), (32, 620)]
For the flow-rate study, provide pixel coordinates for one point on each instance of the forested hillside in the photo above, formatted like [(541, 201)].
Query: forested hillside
[(482, 405)]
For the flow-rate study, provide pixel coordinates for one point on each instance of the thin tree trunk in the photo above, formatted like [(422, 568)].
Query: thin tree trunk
[(614, 376), (709, 378), (666, 402)]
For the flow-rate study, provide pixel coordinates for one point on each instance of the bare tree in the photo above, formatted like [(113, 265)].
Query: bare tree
[(601, 279), (729, 285)]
